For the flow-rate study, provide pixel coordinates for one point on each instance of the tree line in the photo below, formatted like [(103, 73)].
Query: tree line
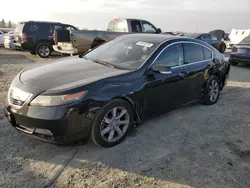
[(9, 24)]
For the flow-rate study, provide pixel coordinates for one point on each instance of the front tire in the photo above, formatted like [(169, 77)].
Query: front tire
[(43, 50), (112, 123), (212, 91)]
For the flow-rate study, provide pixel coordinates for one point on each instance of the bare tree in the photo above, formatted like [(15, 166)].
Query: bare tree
[(2, 24), (9, 24)]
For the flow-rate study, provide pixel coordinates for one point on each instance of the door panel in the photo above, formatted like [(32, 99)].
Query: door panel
[(164, 92)]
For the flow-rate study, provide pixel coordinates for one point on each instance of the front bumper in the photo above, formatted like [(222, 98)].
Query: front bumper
[(52, 124)]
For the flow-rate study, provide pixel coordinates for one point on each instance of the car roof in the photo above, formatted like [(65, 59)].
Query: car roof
[(156, 38), (194, 35), (46, 22)]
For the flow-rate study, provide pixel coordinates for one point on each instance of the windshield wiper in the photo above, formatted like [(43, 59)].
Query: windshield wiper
[(104, 63)]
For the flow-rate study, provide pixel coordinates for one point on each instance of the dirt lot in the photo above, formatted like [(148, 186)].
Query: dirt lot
[(195, 146)]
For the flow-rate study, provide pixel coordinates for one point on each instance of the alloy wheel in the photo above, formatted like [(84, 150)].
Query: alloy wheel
[(115, 124), (44, 51), (213, 91)]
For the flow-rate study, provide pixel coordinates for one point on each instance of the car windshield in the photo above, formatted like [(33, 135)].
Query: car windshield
[(123, 53), (245, 40)]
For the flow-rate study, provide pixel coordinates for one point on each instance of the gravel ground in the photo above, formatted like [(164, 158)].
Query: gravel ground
[(194, 146)]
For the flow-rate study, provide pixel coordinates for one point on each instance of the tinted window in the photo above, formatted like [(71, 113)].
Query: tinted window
[(206, 37), (32, 28), (148, 27), (207, 54), (136, 26), (70, 28), (172, 56), (193, 53), (214, 37)]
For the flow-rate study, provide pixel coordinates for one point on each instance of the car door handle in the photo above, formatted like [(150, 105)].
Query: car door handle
[(183, 74)]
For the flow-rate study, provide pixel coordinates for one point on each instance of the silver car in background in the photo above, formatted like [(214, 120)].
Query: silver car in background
[(9, 40)]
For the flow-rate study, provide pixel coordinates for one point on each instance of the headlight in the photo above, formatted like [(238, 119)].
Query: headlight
[(43, 100)]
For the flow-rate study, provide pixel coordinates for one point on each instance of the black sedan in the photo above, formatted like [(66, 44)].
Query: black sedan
[(241, 52), (116, 85), (210, 39)]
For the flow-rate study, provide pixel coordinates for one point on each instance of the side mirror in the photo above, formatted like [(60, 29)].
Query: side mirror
[(158, 30), (162, 69)]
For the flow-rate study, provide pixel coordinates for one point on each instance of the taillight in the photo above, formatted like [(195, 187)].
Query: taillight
[(25, 38)]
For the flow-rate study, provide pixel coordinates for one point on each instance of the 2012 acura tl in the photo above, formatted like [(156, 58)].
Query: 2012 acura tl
[(118, 84)]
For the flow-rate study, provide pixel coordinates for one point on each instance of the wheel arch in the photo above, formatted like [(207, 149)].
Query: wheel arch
[(137, 117)]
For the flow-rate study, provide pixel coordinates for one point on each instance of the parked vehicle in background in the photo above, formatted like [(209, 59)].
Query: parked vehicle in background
[(241, 52), (237, 35), (37, 36), (80, 41), (9, 40), (118, 84), (1, 38), (210, 39)]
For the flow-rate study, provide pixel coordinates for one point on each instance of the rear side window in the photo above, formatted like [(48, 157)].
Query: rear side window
[(193, 53), (207, 54), (31, 28)]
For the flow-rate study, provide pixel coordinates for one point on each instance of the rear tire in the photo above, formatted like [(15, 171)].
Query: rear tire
[(112, 123), (43, 50), (212, 91)]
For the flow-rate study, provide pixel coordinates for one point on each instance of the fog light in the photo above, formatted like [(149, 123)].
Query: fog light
[(43, 131)]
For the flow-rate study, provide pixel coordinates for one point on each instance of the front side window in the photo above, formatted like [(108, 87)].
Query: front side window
[(172, 56), (193, 53), (124, 53), (148, 27)]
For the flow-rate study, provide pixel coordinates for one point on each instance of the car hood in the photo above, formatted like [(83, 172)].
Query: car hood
[(67, 73)]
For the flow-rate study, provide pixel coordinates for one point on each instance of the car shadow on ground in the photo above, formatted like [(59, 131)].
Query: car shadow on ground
[(197, 145)]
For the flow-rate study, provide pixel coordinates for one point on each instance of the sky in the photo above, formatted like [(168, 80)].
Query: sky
[(169, 15)]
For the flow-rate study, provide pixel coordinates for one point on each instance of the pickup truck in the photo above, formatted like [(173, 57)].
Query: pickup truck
[(80, 41)]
